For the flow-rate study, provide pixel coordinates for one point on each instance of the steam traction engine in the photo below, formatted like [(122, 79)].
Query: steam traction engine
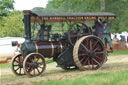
[(75, 48)]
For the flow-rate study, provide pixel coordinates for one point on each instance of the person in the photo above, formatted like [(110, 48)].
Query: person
[(98, 28), (122, 38), (18, 49), (115, 39), (115, 42), (123, 43), (127, 41), (106, 34)]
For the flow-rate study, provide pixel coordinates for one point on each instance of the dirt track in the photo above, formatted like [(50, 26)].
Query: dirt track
[(114, 63)]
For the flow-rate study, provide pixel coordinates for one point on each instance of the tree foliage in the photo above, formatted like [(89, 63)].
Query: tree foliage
[(119, 7), (12, 25), (5, 7), (76, 5), (11, 21)]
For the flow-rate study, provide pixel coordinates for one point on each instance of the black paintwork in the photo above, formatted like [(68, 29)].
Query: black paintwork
[(66, 57)]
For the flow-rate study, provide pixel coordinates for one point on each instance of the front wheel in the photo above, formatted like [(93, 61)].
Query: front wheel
[(17, 65), (34, 64)]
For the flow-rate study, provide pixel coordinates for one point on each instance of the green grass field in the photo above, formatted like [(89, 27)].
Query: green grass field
[(119, 52), (109, 78), (5, 65)]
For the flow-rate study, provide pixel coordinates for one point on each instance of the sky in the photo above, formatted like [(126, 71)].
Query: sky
[(29, 4)]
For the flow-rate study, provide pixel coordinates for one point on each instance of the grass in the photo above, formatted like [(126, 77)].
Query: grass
[(5, 65), (119, 52), (48, 60), (113, 78)]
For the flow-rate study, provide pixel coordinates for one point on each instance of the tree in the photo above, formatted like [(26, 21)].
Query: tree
[(5, 7), (76, 5), (118, 7), (102, 5), (12, 25)]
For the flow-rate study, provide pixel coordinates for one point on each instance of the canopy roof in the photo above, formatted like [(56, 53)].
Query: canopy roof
[(68, 17)]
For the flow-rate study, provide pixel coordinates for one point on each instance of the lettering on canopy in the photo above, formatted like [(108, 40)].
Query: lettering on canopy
[(69, 18)]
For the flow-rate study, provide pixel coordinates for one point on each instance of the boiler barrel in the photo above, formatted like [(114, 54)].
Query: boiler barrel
[(49, 49)]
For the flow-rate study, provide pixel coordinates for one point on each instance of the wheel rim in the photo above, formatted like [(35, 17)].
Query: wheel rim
[(76, 31), (34, 64), (17, 65), (89, 53)]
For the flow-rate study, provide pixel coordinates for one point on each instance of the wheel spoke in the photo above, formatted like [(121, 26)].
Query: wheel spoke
[(20, 71), (82, 59), (19, 58), (84, 46), (34, 71), (17, 69), (16, 65), (96, 49), (97, 62), (85, 61), (38, 70), (41, 67), (88, 64), (98, 57), (40, 63), (30, 70), (90, 44), (100, 52), (86, 43), (29, 63), (81, 50), (95, 44), (34, 58), (37, 59), (17, 61), (92, 63), (82, 54)]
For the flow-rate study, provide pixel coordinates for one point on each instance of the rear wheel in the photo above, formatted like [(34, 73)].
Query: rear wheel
[(34, 64), (89, 53)]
